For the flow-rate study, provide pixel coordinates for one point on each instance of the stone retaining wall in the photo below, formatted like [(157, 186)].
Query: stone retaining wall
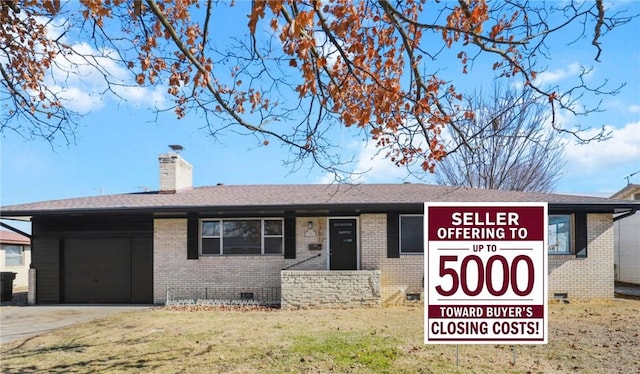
[(330, 289)]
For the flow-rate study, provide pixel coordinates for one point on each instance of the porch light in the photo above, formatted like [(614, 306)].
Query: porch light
[(310, 225)]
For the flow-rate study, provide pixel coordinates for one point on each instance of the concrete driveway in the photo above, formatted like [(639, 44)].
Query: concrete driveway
[(19, 322)]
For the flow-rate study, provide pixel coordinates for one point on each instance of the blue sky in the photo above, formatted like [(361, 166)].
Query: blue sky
[(118, 143)]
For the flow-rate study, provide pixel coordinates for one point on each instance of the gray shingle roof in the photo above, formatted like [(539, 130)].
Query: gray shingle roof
[(310, 195)]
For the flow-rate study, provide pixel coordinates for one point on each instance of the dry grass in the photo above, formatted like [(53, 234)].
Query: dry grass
[(596, 337)]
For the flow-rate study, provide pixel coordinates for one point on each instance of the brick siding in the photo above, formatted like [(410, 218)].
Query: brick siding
[(399, 276), (590, 277), (172, 270)]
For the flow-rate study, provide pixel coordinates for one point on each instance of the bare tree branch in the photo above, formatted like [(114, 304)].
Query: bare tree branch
[(302, 69), (513, 146)]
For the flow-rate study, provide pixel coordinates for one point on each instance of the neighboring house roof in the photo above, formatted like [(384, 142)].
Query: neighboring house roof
[(628, 192), (10, 237), (301, 198)]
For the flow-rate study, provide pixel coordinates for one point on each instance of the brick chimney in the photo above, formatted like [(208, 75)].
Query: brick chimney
[(175, 173)]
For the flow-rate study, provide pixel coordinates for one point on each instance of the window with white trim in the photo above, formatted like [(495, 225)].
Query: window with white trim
[(247, 236), (560, 234), (13, 255), (411, 233)]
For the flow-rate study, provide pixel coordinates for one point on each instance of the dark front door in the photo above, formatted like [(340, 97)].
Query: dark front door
[(343, 244)]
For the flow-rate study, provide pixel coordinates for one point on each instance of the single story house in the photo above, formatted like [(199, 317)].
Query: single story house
[(270, 243), (627, 238), (15, 257)]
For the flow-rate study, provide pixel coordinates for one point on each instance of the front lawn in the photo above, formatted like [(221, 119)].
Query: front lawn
[(596, 337)]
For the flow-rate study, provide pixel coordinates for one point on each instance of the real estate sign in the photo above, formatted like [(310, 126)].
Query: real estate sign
[(486, 273)]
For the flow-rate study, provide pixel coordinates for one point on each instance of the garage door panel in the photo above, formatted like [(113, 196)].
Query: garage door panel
[(97, 270)]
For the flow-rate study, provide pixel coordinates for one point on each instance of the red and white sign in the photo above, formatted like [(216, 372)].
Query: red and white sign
[(485, 273)]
